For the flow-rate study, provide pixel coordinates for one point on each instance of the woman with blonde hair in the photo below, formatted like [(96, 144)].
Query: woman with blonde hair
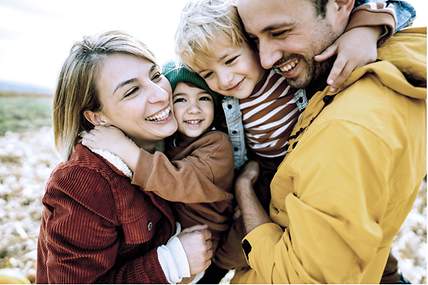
[(95, 226)]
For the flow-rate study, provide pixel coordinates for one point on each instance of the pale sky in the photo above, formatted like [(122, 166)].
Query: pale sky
[(36, 35)]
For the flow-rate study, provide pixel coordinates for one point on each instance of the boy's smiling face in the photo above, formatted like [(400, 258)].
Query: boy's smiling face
[(193, 109), (231, 71)]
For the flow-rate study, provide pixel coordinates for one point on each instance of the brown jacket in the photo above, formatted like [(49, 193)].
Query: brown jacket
[(198, 176), (96, 227)]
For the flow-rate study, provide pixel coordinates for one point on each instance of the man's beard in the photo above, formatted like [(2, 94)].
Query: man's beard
[(315, 75)]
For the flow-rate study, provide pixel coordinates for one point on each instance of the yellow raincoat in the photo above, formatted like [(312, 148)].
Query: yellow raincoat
[(351, 175)]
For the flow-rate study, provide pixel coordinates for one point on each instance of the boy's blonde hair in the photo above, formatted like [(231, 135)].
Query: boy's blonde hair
[(76, 89), (201, 22)]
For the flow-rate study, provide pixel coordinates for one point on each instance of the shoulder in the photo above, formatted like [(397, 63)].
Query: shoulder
[(217, 140)]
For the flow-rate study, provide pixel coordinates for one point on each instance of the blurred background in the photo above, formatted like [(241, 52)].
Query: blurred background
[(35, 38)]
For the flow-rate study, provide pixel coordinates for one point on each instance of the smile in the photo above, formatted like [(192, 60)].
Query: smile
[(236, 86), (160, 116), (287, 66), (193, 122)]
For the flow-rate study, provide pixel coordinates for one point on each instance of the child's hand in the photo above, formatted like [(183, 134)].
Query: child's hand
[(113, 140), (354, 48)]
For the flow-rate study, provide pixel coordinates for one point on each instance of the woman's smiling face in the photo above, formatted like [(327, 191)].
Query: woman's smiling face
[(135, 97)]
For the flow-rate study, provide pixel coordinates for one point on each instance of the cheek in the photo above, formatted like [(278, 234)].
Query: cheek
[(178, 111), (212, 85), (165, 85)]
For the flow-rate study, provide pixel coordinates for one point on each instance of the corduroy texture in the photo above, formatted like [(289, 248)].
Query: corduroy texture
[(99, 228)]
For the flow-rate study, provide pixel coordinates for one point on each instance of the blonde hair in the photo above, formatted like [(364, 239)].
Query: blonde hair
[(201, 22), (76, 88)]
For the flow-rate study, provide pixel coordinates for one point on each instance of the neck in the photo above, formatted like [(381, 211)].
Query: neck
[(150, 146), (319, 82)]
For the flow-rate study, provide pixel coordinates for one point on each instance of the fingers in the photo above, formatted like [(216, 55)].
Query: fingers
[(195, 228), (344, 74), (327, 53), (336, 72)]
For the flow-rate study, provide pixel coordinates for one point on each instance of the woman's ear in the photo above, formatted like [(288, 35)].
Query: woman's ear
[(95, 118)]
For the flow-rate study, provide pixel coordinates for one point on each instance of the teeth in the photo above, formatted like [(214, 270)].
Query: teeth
[(193, 122), (289, 65), (160, 116)]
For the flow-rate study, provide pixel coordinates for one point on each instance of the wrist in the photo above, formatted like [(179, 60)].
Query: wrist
[(131, 156)]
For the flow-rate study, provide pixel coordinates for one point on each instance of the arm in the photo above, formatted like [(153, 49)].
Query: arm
[(333, 212), (252, 211), (403, 11), (373, 21), (193, 179)]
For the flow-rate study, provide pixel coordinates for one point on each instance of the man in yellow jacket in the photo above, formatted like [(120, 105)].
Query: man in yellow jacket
[(357, 155)]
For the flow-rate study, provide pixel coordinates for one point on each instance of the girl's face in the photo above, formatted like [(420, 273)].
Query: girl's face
[(136, 98), (193, 109)]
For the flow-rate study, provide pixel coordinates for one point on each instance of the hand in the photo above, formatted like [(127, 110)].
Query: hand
[(197, 244), (113, 140), (249, 174), (355, 48)]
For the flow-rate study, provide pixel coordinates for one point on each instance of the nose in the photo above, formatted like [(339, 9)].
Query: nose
[(268, 53), (158, 94), (224, 78), (193, 108)]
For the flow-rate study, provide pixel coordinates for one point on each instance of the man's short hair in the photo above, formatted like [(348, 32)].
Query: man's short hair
[(201, 23), (320, 7)]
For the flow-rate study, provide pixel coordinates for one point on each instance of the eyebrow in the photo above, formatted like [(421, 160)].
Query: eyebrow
[(276, 26), (120, 85), (217, 59)]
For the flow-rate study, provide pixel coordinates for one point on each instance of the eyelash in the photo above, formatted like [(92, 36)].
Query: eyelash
[(157, 76), (230, 61), (131, 91), (178, 100), (206, 76), (278, 33)]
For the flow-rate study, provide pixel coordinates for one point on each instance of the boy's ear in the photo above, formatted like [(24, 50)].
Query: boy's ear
[(95, 118)]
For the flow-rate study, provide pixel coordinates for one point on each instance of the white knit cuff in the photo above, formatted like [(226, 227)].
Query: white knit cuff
[(173, 259)]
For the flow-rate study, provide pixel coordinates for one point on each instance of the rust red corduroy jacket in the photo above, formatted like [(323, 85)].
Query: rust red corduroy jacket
[(98, 228)]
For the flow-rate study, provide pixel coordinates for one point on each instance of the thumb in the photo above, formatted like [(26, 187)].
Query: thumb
[(327, 53), (195, 228)]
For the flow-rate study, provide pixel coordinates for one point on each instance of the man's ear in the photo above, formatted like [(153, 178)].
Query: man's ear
[(95, 118), (344, 7)]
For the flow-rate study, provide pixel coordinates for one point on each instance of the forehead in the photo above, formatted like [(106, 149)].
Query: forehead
[(259, 16), (186, 88), (119, 67)]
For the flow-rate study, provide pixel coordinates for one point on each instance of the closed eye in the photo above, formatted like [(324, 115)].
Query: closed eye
[(206, 75), (156, 76), (279, 33), (131, 91), (230, 61)]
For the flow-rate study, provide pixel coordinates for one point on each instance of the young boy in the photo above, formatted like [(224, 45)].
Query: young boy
[(260, 107), (197, 171)]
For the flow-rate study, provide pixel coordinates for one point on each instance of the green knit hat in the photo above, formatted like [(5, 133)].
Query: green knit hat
[(177, 72)]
